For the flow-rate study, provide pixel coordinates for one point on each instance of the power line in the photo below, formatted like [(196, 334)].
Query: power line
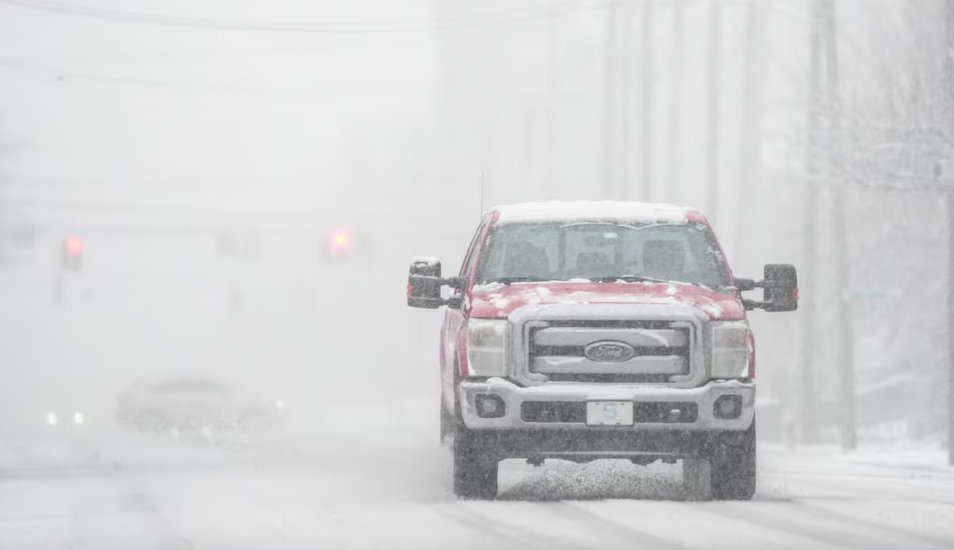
[(317, 210), (483, 20), (175, 55), (66, 76), (382, 87)]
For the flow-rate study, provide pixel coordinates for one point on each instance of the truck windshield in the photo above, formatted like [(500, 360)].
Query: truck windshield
[(604, 252)]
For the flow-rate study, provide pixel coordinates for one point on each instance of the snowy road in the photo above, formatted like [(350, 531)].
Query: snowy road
[(125, 492)]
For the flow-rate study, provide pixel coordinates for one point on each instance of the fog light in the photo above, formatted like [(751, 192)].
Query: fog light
[(728, 407), (51, 419), (78, 418), (489, 406)]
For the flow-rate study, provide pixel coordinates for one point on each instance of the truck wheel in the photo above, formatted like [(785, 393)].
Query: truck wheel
[(696, 478), (475, 473), (733, 467), (447, 422)]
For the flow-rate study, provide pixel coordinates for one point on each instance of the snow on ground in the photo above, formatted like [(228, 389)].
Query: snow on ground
[(359, 466), (114, 490), (920, 457)]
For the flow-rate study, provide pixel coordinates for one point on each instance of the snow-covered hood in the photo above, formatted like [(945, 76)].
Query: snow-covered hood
[(498, 301)]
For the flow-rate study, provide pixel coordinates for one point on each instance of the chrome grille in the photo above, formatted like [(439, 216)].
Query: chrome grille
[(556, 350)]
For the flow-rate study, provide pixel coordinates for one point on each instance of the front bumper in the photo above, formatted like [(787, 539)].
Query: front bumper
[(514, 396)]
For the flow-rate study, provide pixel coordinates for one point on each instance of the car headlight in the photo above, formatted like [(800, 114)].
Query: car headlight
[(731, 349), (487, 347)]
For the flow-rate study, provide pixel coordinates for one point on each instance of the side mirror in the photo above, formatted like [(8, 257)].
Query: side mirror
[(780, 288), (424, 284)]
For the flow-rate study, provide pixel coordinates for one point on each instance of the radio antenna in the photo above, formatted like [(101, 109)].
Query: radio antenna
[(481, 192)]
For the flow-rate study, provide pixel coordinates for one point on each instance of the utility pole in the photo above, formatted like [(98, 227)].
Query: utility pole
[(806, 378), (949, 118), (751, 138), (611, 116), (646, 101), (844, 323), (715, 100), (552, 102), (625, 27), (675, 109)]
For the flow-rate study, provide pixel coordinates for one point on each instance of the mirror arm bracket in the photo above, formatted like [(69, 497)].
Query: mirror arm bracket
[(455, 282), (745, 284), (755, 304), (751, 284)]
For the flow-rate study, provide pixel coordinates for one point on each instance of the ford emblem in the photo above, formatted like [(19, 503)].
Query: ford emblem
[(609, 351)]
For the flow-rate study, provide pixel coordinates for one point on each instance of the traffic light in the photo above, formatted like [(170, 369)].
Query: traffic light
[(72, 253), (340, 241), (339, 246)]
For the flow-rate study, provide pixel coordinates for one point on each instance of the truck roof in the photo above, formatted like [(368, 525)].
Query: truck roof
[(556, 211)]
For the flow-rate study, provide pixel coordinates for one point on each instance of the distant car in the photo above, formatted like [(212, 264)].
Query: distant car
[(195, 405)]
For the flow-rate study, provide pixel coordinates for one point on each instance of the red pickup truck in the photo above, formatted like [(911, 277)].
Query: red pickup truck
[(591, 330)]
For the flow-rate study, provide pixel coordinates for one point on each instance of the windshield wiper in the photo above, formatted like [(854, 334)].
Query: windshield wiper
[(618, 224), (524, 279), (634, 279)]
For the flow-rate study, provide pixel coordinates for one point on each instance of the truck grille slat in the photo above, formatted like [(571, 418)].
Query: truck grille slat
[(577, 351), (604, 378)]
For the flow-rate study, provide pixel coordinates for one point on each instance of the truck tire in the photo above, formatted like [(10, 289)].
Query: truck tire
[(733, 467), (475, 473), (696, 479), (475, 470), (447, 422)]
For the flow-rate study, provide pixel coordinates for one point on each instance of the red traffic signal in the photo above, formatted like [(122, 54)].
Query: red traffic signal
[(340, 241), (72, 256), (339, 246), (74, 246)]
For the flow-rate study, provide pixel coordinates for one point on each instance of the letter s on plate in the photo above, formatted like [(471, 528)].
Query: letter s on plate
[(609, 413)]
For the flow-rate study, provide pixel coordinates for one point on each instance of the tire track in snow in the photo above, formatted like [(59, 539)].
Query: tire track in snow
[(826, 513), (142, 502), (89, 491), (859, 487), (783, 522), (575, 513), (466, 515)]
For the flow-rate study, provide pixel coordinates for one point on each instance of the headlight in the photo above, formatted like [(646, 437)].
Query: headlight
[(731, 349), (487, 347)]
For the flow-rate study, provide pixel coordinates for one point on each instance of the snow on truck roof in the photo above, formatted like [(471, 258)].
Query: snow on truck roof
[(592, 210)]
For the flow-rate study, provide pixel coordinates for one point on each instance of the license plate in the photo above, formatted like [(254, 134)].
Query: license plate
[(609, 413)]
